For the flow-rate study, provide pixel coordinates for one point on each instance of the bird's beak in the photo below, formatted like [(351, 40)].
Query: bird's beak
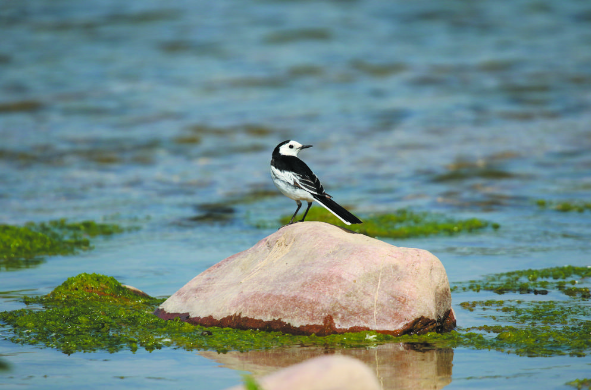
[(305, 146)]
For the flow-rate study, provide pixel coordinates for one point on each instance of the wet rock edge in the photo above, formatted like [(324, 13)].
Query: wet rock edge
[(419, 326)]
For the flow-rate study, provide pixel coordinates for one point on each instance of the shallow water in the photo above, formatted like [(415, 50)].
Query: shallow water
[(155, 115)]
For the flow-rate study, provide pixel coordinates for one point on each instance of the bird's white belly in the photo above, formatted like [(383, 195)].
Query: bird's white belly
[(288, 189)]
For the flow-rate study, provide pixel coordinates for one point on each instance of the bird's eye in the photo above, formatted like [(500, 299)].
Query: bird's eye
[(291, 146)]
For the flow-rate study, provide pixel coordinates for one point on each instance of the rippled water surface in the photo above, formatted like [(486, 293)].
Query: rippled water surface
[(163, 115)]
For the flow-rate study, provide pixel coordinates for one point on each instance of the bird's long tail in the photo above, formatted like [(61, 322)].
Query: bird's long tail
[(337, 210)]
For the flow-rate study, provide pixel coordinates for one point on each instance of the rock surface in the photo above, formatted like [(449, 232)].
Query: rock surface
[(313, 277), (322, 373)]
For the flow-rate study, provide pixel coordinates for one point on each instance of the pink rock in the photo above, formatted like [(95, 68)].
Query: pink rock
[(313, 277), (323, 373)]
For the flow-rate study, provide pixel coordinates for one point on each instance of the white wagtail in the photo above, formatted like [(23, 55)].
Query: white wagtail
[(297, 181)]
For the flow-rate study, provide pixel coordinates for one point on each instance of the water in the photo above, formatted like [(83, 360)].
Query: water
[(143, 112)]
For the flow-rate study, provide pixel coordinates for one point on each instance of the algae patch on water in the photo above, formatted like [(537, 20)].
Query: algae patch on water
[(402, 223), (564, 279), (22, 246), (565, 206), (580, 384), (250, 383), (535, 328)]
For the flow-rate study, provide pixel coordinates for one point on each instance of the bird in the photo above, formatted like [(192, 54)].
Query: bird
[(296, 180)]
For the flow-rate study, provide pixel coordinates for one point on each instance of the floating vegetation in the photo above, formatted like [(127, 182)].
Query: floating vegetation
[(527, 115), (104, 152), (20, 106), (534, 328), (564, 279), (113, 19), (538, 328), (91, 312), (187, 139), (22, 247), (274, 81), (199, 48), (213, 213), (389, 118), (250, 383), (473, 173), (304, 34), (496, 65), (224, 211), (580, 383), (402, 223), (305, 71), (194, 134), (565, 207), (378, 70)]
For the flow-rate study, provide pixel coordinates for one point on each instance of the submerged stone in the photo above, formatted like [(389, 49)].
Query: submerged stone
[(315, 278), (321, 373)]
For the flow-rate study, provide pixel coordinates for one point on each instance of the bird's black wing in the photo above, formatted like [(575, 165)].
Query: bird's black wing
[(301, 174)]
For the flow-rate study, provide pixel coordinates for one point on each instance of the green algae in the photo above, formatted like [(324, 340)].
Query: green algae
[(402, 223), (473, 173), (565, 206), (23, 246), (580, 383), (538, 328), (378, 70), (201, 130), (92, 287), (63, 228), (21, 242), (564, 279), (113, 19), (250, 383), (224, 212), (103, 152), (305, 70), (20, 106), (295, 35), (534, 328)]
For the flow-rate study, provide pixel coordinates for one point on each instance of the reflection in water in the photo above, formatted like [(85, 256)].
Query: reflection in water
[(19, 264), (4, 366), (397, 366)]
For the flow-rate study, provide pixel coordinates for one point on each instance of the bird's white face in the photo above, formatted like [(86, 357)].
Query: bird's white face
[(292, 148)]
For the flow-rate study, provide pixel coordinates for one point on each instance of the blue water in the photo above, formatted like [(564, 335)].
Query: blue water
[(142, 112)]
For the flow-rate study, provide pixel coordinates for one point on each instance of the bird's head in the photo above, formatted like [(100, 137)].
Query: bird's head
[(290, 148)]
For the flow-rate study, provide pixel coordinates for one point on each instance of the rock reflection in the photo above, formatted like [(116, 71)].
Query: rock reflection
[(397, 366)]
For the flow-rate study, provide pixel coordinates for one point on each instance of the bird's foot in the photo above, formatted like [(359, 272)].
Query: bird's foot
[(291, 223)]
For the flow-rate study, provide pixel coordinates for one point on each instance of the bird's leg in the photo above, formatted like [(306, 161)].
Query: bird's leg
[(306, 213), (294, 214)]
